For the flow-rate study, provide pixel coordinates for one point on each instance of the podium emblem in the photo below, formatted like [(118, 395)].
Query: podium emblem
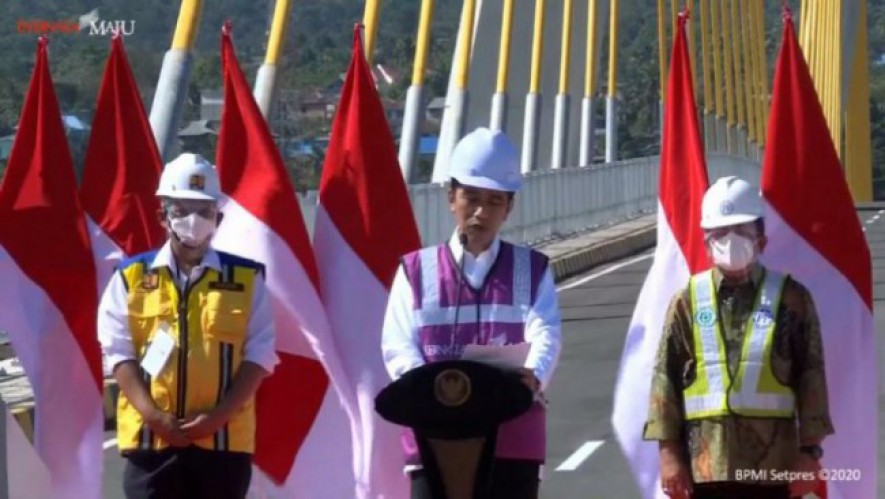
[(452, 387)]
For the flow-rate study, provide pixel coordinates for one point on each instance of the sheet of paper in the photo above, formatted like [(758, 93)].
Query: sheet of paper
[(503, 357), (158, 353)]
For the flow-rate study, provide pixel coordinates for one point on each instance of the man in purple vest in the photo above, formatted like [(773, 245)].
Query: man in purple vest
[(478, 289)]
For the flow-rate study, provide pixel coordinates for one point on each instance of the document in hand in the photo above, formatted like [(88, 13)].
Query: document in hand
[(503, 356)]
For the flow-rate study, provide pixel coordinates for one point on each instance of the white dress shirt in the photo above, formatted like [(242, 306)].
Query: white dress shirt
[(113, 312), (400, 342)]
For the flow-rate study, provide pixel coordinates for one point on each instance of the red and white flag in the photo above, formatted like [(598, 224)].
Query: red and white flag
[(364, 224), (304, 435), (49, 292), (121, 171), (814, 234), (680, 253)]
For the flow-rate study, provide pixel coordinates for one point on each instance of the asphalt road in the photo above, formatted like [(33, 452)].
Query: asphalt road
[(596, 314), (584, 460)]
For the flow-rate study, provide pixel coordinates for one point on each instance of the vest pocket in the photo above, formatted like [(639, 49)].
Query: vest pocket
[(147, 309), (225, 316)]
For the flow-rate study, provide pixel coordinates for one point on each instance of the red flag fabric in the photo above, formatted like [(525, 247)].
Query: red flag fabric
[(121, 170), (364, 224), (49, 292), (815, 235), (300, 416), (683, 177), (680, 253)]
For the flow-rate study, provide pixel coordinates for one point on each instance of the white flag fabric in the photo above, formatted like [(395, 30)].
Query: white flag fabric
[(49, 293), (815, 235), (304, 431), (364, 224), (679, 254)]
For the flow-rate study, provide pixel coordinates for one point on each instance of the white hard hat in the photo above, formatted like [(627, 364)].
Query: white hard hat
[(730, 201), (486, 159), (189, 176)]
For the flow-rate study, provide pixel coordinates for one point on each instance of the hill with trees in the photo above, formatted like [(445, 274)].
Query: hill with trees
[(317, 52)]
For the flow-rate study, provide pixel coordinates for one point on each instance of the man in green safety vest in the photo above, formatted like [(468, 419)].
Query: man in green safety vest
[(739, 400)]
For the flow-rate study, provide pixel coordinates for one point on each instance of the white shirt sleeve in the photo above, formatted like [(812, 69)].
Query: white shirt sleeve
[(113, 323), (544, 331), (399, 337), (260, 345)]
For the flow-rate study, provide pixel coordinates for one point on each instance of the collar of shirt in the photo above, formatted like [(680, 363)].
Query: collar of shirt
[(475, 267), (165, 258)]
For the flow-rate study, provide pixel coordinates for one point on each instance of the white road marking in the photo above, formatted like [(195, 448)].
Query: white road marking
[(110, 444), (580, 455), (601, 273)]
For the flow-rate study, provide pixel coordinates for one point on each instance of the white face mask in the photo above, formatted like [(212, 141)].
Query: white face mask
[(192, 230), (733, 252)]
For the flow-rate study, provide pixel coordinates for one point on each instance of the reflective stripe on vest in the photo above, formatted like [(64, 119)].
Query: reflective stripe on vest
[(210, 334), (754, 391), (432, 313)]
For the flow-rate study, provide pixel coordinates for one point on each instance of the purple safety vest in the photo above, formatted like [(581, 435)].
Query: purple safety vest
[(495, 314)]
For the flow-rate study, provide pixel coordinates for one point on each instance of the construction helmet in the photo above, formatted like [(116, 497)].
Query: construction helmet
[(190, 176), (488, 160), (730, 201)]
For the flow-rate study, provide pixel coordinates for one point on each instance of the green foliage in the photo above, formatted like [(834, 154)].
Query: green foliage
[(318, 48)]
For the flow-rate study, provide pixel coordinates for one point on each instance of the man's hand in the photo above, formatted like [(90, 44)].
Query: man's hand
[(245, 384), (808, 467), (164, 424), (529, 379), (167, 428), (675, 477), (202, 425)]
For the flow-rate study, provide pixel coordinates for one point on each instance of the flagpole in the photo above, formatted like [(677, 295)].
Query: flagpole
[(265, 81), (533, 99), (586, 150), (172, 85), (560, 116), (412, 118), (611, 111), (499, 100)]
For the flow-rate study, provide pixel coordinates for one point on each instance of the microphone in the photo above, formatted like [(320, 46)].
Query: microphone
[(462, 239)]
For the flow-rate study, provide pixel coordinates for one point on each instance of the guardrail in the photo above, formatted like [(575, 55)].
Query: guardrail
[(556, 203)]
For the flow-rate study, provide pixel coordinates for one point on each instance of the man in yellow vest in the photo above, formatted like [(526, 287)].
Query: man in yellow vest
[(189, 334), (739, 395)]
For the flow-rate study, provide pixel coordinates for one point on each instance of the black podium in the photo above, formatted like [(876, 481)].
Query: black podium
[(454, 409)]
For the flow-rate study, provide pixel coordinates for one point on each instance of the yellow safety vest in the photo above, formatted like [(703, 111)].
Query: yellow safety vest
[(754, 391), (208, 322)]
